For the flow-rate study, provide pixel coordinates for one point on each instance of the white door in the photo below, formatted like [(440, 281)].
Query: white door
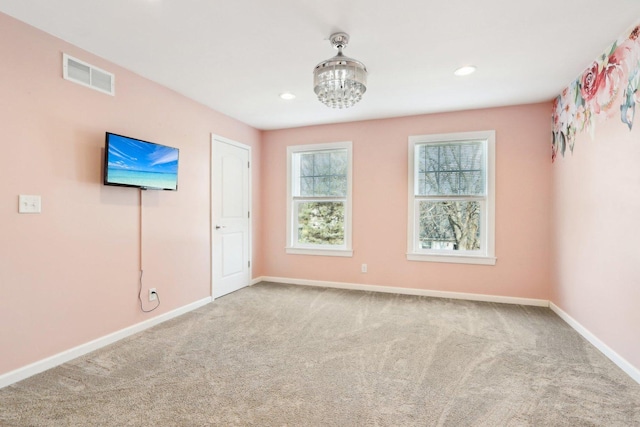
[(230, 208)]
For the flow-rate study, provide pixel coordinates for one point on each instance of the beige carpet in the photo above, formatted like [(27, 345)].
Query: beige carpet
[(280, 355)]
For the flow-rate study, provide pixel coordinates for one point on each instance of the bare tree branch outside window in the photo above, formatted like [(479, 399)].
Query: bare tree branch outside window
[(449, 177), (321, 198)]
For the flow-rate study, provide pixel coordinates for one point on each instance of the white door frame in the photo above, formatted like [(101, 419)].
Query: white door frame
[(215, 137)]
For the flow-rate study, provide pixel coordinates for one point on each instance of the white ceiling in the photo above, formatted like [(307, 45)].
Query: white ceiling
[(237, 56)]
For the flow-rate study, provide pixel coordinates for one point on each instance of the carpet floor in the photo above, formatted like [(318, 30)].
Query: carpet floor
[(284, 355)]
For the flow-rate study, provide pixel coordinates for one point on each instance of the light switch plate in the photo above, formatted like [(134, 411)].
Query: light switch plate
[(29, 204)]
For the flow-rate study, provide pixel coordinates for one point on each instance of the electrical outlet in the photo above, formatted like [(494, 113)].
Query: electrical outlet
[(364, 268), (29, 204), (153, 294)]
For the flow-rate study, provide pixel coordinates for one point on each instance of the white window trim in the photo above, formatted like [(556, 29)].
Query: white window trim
[(486, 257), (340, 251)]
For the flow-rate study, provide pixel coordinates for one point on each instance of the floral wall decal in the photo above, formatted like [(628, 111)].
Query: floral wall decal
[(608, 88)]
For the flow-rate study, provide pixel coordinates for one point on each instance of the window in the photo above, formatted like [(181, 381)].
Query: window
[(319, 199), (451, 198)]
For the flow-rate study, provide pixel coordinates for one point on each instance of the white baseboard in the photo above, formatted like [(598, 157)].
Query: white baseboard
[(622, 363), (408, 291), (67, 355)]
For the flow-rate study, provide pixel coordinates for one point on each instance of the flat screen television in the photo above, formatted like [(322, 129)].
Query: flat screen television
[(131, 162)]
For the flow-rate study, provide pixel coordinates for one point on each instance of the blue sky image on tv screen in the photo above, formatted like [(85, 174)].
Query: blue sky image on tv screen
[(142, 164)]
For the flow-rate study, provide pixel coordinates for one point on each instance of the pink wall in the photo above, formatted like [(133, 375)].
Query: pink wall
[(596, 199), (597, 229), (523, 182), (70, 274)]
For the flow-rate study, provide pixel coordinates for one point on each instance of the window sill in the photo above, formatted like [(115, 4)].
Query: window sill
[(455, 259), (320, 252)]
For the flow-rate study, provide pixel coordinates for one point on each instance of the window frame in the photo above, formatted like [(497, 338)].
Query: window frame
[(484, 256), (292, 246)]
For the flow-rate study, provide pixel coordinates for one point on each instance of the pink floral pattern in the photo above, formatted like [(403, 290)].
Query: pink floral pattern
[(607, 88)]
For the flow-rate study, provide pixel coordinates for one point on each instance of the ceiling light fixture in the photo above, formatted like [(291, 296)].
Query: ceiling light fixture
[(287, 96), (340, 82), (465, 71)]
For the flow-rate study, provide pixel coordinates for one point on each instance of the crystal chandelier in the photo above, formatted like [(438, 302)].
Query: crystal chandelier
[(340, 81)]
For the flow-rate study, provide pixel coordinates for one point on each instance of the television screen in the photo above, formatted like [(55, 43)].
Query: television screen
[(132, 162)]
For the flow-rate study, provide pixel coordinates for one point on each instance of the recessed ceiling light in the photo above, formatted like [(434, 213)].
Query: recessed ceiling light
[(287, 95), (465, 71)]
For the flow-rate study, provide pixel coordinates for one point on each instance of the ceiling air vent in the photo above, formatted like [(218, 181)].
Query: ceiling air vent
[(87, 75)]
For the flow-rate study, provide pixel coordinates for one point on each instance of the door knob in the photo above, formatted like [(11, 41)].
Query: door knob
[(218, 227)]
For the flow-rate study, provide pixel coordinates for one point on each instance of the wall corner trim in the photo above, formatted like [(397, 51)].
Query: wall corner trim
[(20, 374), (620, 361), (407, 291)]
